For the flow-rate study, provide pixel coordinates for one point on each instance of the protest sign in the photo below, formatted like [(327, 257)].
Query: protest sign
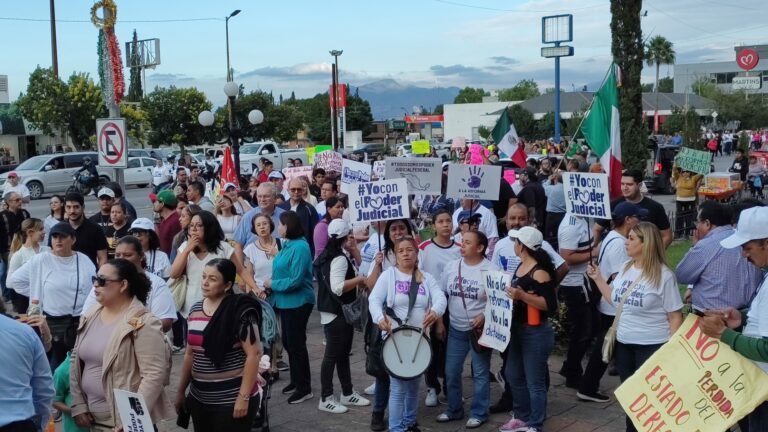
[(420, 147), (510, 176), (296, 172), (458, 143), (353, 172), (692, 383), (498, 311), (379, 200), (480, 182), (587, 195), (476, 153), (423, 174), (328, 160), (322, 148), (697, 161), (134, 411), (379, 168), (311, 155)]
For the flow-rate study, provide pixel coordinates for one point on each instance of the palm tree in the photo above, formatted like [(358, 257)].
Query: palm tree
[(658, 51)]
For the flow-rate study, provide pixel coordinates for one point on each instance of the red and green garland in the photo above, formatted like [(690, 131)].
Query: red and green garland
[(110, 60)]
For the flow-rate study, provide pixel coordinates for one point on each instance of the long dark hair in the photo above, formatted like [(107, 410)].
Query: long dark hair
[(138, 283), (213, 236), (389, 243), (333, 249), (330, 202), (61, 200), (543, 260)]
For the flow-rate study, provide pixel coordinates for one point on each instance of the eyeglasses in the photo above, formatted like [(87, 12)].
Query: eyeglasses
[(100, 281), (296, 189), (137, 233)]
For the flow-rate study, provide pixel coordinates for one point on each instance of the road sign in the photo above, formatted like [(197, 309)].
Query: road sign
[(112, 142), (747, 59), (557, 51), (746, 83)]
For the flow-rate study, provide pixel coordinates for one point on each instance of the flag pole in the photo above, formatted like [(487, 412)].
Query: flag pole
[(578, 129)]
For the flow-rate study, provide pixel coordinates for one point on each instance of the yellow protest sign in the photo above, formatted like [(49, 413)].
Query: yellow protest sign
[(420, 147), (311, 155), (693, 383)]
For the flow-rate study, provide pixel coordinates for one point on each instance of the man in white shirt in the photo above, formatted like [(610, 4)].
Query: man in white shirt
[(160, 175), (14, 185)]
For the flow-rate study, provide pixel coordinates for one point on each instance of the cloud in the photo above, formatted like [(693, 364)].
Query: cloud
[(504, 60), (169, 77), (302, 71)]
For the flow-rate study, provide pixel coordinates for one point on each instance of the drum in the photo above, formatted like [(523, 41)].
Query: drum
[(406, 352)]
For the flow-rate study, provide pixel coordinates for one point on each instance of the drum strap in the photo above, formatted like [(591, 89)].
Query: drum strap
[(412, 293), (461, 292)]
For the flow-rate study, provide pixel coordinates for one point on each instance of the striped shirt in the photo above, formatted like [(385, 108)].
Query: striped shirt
[(212, 385)]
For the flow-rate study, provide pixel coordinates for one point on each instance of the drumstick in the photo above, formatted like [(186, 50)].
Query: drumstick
[(397, 350), (416, 351)]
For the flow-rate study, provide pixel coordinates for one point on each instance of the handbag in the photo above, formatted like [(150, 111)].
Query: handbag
[(474, 336), (179, 291), (64, 328), (609, 341), (355, 312)]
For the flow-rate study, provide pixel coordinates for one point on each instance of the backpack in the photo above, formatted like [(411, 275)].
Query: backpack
[(712, 145)]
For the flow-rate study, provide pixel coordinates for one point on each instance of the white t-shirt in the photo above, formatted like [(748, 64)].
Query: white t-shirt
[(228, 225), (473, 287), (505, 258), (159, 175), (19, 189), (433, 257), (644, 318), (21, 256), (611, 259), (573, 234), (487, 225), (159, 301), (157, 263), (369, 250), (757, 318), (392, 290), (194, 272), (261, 262)]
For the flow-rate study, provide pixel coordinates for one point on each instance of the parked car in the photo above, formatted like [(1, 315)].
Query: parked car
[(658, 170), (149, 153), (251, 154)]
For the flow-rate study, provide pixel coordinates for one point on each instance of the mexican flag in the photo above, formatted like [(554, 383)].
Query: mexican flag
[(505, 136), (601, 129)]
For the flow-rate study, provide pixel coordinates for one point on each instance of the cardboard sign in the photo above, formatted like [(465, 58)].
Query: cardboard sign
[(510, 176), (420, 147), (379, 169), (379, 201), (692, 383), (586, 195), (458, 143), (476, 153), (498, 311), (328, 160), (697, 161), (353, 172), (480, 182), (134, 411), (311, 155), (296, 172), (424, 175)]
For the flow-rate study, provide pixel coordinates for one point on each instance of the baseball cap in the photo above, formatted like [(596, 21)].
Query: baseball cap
[(106, 192), (626, 209), (529, 236), (12, 174), (142, 224), (167, 197), (62, 228), (276, 175), (751, 226), (467, 216), (229, 185), (338, 228)]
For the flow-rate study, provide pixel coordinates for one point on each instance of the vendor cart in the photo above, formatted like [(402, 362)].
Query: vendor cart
[(722, 187)]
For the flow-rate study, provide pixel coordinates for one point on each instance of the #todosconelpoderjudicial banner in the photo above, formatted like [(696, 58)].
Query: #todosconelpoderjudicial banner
[(422, 174), (379, 201), (586, 195), (498, 311), (693, 383)]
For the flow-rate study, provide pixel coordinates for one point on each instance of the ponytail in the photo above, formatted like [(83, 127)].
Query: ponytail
[(18, 240), (21, 237)]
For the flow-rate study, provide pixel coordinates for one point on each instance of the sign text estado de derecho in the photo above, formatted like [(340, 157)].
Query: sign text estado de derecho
[(587, 195), (379, 201)]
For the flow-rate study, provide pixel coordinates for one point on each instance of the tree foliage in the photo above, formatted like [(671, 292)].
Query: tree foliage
[(135, 91), (470, 95), (666, 85), (686, 122), (359, 116), (523, 90), (659, 51), (172, 113), (137, 122), (704, 87), (523, 120)]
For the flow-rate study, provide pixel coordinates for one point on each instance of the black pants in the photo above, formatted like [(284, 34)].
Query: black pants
[(294, 326), (590, 382), (179, 331), (685, 217), (206, 418), (551, 226), (628, 359), (19, 426), (436, 367), (338, 345), (580, 317), (61, 344)]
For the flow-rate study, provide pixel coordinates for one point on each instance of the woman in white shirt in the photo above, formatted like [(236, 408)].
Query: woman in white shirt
[(25, 245), (652, 308), (392, 290), (227, 216), (56, 216), (156, 261)]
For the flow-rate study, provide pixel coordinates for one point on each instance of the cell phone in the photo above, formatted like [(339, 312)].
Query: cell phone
[(182, 420)]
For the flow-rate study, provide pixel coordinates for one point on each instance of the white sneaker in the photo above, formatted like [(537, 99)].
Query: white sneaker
[(431, 400), (371, 389), (354, 400), (331, 405)]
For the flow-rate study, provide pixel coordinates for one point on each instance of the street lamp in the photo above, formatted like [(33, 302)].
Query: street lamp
[(335, 136), (226, 25)]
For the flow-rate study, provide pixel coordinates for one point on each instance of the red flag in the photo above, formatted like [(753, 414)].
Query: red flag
[(228, 174)]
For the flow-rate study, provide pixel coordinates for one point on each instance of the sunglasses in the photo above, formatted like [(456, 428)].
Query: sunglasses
[(100, 281)]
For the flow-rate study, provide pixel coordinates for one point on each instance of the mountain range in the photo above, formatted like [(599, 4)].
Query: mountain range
[(390, 99)]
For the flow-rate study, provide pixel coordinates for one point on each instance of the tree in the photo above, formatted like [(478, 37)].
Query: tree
[(317, 114), (523, 90), (646, 88), (135, 91), (172, 113), (290, 120), (86, 105), (484, 132), (523, 121), (704, 87), (470, 95), (659, 51), (666, 85), (545, 127), (136, 121), (573, 123), (359, 115), (627, 51), (438, 109), (687, 123), (550, 90)]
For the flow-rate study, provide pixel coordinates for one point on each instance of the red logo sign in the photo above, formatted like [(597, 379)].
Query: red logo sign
[(424, 118), (747, 59), (341, 101)]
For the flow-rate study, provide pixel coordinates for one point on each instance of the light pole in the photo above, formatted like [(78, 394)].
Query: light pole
[(226, 25), (337, 135)]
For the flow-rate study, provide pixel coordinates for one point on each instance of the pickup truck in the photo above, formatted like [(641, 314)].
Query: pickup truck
[(251, 154)]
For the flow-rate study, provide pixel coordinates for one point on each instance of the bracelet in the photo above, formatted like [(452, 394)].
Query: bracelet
[(245, 397)]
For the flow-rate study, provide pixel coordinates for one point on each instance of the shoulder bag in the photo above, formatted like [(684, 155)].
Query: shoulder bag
[(355, 312), (609, 342), (179, 291)]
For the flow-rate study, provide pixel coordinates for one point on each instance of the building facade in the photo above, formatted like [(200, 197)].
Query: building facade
[(686, 76)]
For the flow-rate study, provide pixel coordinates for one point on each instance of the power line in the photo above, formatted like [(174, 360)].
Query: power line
[(516, 10), (122, 21)]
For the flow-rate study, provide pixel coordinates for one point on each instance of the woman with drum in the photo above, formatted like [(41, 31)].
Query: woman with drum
[(464, 284), (404, 303)]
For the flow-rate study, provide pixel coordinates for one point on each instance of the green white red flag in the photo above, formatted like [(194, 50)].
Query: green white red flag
[(601, 129), (505, 136)]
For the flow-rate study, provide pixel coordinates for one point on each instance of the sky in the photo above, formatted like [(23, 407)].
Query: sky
[(282, 46)]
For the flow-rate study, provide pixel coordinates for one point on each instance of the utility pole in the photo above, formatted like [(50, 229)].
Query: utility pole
[(54, 53), (334, 109)]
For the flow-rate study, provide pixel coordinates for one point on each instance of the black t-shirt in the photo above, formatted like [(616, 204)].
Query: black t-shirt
[(90, 240), (113, 235), (102, 220), (533, 195), (501, 206), (530, 285), (656, 213)]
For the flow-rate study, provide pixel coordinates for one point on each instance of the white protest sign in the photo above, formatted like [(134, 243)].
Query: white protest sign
[(423, 174), (353, 172), (586, 195), (378, 201), (329, 160), (480, 182), (379, 169), (498, 311), (134, 412), (296, 172)]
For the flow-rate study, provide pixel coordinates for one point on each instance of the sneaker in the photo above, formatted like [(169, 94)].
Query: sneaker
[(377, 421), (331, 405), (177, 349), (431, 400), (290, 388), (282, 366), (473, 423), (593, 397), (299, 397), (514, 425), (354, 400), (371, 389), (445, 418)]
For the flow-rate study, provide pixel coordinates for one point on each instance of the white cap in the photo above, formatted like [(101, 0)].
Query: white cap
[(752, 226), (106, 191), (142, 224), (229, 185), (338, 228), (529, 236)]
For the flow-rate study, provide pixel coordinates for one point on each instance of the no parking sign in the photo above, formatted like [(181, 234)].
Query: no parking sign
[(112, 142)]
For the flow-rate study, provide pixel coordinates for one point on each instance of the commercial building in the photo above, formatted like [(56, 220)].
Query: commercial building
[(722, 73)]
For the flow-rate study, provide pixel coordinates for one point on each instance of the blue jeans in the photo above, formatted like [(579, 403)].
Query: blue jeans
[(527, 371), (381, 397), (403, 403), (457, 347)]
